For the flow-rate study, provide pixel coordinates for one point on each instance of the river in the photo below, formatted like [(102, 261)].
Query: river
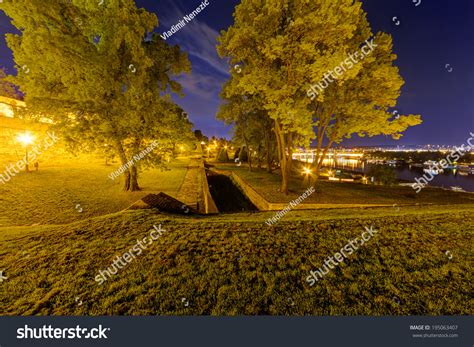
[(447, 179)]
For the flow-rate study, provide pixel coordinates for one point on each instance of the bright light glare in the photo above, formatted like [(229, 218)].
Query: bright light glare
[(25, 138), (307, 170)]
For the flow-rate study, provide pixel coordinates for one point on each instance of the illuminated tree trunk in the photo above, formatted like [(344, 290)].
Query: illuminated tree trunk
[(130, 175), (268, 149), (133, 185), (249, 154), (284, 166)]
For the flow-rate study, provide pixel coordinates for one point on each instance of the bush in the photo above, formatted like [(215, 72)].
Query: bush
[(384, 175), (242, 154), (223, 157)]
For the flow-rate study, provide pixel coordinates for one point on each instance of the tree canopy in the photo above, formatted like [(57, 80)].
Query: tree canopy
[(99, 73), (283, 47), (6, 88)]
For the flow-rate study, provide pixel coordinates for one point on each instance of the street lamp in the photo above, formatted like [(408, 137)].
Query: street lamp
[(25, 139), (307, 172)]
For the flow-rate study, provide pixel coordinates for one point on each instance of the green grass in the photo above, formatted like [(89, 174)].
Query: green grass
[(329, 192), (229, 264), (237, 265), (50, 195)]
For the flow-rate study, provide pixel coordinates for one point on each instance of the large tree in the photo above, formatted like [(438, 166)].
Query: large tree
[(97, 71), (360, 103), (284, 46), (252, 125)]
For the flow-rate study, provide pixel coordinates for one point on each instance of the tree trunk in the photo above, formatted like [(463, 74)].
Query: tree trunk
[(126, 183), (123, 161), (259, 158), (133, 185), (268, 149), (284, 176), (249, 154), (290, 152), (283, 158), (130, 175), (134, 179)]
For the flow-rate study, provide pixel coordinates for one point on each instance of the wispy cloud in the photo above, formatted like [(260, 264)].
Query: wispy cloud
[(205, 86), (196, 38)]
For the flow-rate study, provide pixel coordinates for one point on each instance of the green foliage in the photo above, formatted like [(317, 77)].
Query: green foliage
[(283, 47), (242, 154), (6, 88), (383, 174), (100, 74), (252, 125), (223, 156)]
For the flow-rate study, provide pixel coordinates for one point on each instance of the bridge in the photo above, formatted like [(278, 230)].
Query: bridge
[(309, 155)]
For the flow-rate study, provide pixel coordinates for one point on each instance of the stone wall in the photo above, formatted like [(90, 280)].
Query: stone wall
[(263, 205), (206, 202)]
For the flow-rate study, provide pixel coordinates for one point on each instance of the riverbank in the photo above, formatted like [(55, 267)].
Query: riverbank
[(334, 193)]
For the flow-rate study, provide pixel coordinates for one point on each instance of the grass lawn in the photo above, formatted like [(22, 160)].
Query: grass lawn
[(237, 265), (267, 185), (50, 196)]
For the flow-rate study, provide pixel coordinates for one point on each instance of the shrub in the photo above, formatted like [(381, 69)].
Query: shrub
[(223, 157), (383, 175)]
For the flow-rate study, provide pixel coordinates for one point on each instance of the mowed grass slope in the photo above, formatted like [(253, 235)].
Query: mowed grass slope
[(237, 265), (52, 195)]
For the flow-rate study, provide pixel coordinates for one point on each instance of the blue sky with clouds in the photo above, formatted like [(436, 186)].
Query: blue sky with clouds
[(198, 39), (430, 36)]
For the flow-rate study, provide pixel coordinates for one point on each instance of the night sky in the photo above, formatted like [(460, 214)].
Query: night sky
[(430, 36)]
